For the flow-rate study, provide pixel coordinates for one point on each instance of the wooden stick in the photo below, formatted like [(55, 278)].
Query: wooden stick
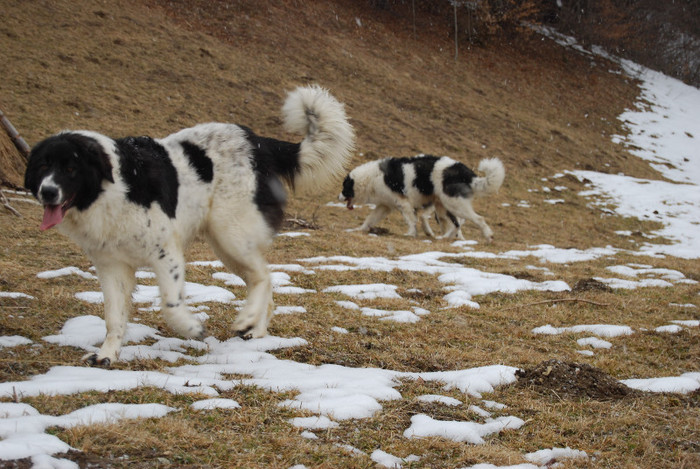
[(6, 204), (560, 300), (19, 142)]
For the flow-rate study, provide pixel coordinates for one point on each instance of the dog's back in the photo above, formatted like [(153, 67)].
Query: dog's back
[(422, 182)]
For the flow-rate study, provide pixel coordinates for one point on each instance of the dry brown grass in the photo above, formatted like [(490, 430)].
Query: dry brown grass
[(151, 67)]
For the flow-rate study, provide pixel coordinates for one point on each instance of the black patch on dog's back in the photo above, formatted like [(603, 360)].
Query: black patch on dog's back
[(272, 160), (199, 161), (148, 172), (79, 164), (392, 168), (456, 180), (424, 165), (274, 156)]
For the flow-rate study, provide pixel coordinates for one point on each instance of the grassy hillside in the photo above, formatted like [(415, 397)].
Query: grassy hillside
[(135, 67)]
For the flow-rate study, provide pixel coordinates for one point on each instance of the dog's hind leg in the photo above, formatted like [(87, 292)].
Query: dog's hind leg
[(253, 319), (169, 267), (464, 210), (451, 225), (479, 221), (247, 260), (117, 281)]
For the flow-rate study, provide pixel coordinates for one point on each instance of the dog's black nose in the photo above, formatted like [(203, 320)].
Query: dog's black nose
[(49, 195)]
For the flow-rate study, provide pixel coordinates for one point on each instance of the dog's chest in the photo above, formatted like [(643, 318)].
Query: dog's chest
[(134, 236)]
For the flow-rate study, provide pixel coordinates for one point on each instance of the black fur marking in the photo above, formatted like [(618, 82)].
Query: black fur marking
[(272, 159), (270, 198), (199, 161), (453, 219), (393, 174), (456, 180), (244, 334), (348, 187), (424, 169), (148, 173), (79, 165), (274, 156)]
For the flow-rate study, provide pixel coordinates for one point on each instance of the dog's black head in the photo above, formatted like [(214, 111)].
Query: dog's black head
[(348, 193), (66, 171)]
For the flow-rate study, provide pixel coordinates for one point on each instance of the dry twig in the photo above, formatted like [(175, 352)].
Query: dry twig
[(559, 300), (302, 223), (6, 204)]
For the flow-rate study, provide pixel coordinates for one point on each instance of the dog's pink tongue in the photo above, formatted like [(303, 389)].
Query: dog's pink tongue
[(53, 215)]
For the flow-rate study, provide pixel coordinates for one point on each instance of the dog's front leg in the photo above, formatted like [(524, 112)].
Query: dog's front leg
[(375, 216), (409, 214), (117, 281), (425, 221), (170, 271)]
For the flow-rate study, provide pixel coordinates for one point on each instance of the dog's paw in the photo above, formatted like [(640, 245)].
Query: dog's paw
[(190, 328), (245, 333), (196, 331), (203, 334), (251, 332), (91, 359)]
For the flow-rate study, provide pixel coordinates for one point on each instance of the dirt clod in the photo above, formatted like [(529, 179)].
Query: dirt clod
[(573, 381), (590, 284)]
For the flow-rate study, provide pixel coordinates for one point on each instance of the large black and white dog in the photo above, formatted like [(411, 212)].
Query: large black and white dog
[(139, 201), (423, 182)]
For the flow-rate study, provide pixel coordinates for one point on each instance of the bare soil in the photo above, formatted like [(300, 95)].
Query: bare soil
[(573, 381)]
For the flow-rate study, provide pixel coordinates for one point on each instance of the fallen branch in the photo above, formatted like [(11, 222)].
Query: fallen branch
[(559, 300), (6, 204), (302, 223), (16, 138)]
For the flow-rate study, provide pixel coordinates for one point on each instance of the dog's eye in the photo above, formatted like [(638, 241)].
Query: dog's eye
[(70, 170), (43, 167)]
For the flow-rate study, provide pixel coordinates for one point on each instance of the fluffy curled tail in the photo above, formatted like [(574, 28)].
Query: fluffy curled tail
[(494, 173), (328, 136)]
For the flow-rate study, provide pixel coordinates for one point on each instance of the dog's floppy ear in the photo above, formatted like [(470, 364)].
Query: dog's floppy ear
[(92, 152), (37, 157), (30, 174)]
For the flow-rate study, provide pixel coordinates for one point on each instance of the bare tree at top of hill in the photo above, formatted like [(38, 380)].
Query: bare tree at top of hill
[(664, 36)]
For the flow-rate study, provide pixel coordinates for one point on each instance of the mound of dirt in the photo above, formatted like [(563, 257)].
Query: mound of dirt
[(573, 381), (590, 284)]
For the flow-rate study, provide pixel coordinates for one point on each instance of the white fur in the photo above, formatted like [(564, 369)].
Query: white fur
[(120, 236), (370, 188)]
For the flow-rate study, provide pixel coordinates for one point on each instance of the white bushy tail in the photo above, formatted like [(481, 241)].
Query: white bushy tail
[(329, 138), (494, 173)]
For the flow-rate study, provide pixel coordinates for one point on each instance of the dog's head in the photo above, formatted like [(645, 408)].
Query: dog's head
[(348, 193), (66, 171)]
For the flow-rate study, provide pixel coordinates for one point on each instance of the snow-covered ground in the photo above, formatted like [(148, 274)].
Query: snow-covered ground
[(663, 129)]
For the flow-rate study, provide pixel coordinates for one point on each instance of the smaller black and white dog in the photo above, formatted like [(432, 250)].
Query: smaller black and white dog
[(139, 201), (423, 182)]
